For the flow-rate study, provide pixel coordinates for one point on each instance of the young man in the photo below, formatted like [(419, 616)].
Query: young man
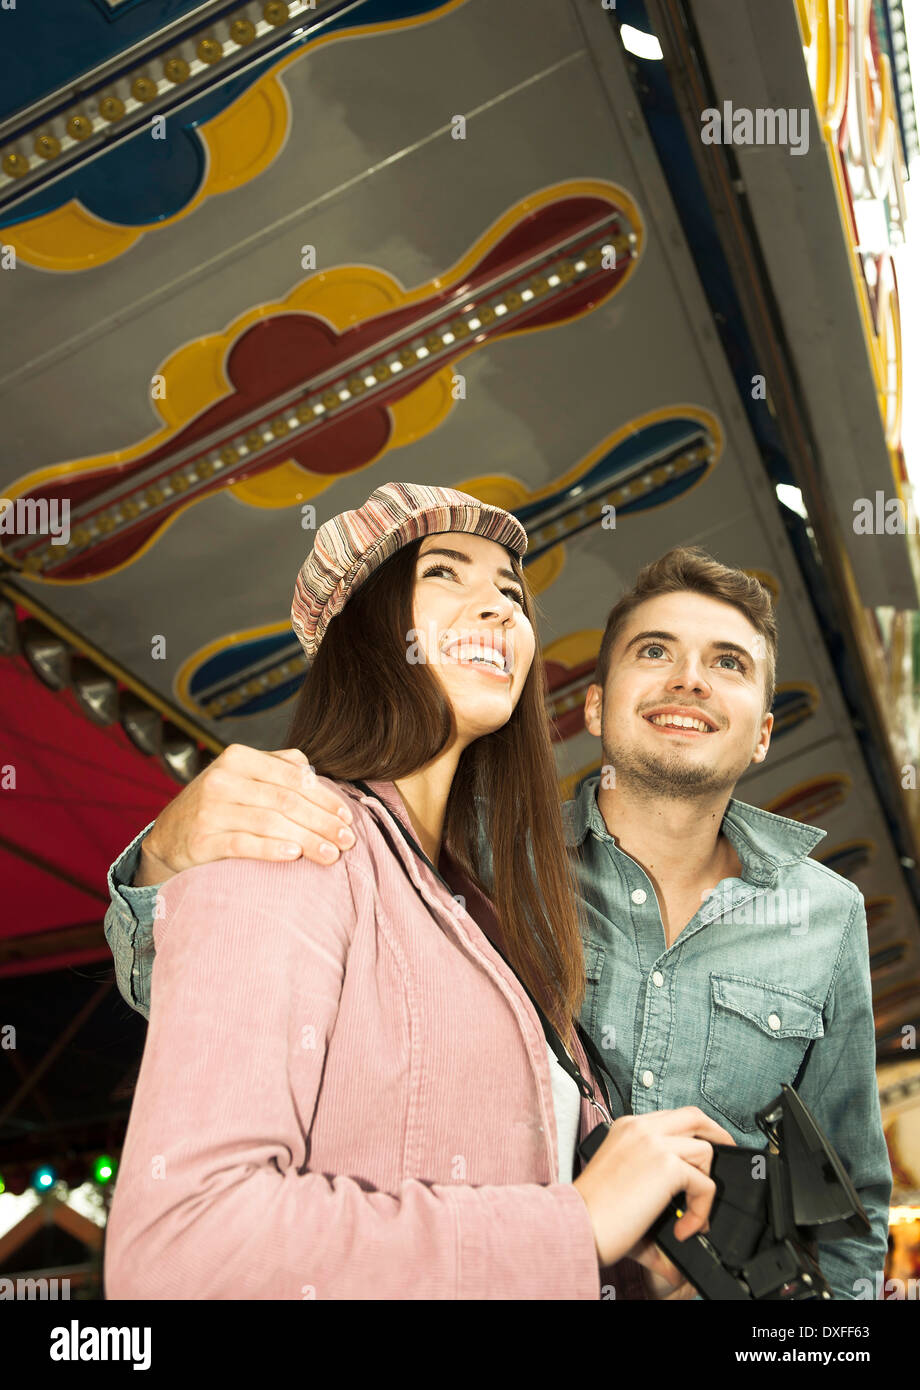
[(722, 961)]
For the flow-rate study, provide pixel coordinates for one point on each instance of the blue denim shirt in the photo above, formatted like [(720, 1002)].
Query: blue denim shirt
[(722, 1018)]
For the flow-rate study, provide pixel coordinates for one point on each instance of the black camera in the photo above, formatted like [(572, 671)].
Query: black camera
[(771, 1208)]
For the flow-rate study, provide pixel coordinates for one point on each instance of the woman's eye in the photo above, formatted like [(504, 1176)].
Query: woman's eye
[(515, 594)]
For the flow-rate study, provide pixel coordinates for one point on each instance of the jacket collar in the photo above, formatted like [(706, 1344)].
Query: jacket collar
[(764, 842), (388, 795)]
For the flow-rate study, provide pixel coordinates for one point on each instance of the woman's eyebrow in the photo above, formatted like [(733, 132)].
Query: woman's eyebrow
[(464, 559)]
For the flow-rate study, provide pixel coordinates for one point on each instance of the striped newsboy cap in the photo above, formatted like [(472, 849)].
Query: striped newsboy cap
[(350, 546)]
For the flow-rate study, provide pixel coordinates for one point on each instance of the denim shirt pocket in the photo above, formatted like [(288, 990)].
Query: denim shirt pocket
[(594, 971), (758, 1033)]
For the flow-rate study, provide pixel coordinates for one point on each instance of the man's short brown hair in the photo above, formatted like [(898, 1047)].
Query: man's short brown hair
[(688, 568)]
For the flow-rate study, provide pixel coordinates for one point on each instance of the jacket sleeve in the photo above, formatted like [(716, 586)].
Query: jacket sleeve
[(841, 1091), (215, 1197), (128, 927)]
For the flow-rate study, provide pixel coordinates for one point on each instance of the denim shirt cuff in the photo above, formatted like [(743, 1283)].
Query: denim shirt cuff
[(139, 901)]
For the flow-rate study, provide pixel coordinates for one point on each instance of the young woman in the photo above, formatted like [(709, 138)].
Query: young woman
[(364, 1081)]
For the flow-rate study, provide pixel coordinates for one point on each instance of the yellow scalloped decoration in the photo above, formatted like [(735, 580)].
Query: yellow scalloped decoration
[(241, 143), (498, 491), (574, 647), (244, 139), (195, 379), (502, 491), (72, 238)]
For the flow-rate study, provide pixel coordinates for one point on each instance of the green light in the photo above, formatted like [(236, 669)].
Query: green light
[(103, 1169)]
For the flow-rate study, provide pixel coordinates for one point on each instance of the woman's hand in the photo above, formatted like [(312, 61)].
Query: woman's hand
[(645, 1161), (663, 1279)]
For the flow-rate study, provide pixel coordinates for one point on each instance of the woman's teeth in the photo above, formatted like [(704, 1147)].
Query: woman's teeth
[(487, 655)]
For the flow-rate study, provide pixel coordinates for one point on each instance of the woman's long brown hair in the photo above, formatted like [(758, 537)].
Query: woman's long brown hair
[(367, 712)]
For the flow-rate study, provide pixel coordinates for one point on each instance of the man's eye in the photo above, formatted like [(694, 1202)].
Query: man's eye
[(654, 650), (739, 664)]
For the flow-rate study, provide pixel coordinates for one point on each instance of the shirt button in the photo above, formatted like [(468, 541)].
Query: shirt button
[(658, 979), (648, 1078), (774, 1022), (638, 895)]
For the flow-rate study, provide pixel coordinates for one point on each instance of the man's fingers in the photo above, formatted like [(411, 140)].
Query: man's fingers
[(295, 811), (287, 769), (305, 782), (242, 844), (230, 817), (292, 755)]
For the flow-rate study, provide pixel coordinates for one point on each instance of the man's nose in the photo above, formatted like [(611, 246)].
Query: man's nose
[(689, 675)]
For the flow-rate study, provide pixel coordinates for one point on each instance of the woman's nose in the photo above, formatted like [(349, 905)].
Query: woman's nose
[(500, 607)]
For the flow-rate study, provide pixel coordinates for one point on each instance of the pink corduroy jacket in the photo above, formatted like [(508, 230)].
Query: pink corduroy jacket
[(344, 1094)]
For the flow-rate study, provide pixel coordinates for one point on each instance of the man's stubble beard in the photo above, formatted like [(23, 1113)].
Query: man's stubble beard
[(666, 775)]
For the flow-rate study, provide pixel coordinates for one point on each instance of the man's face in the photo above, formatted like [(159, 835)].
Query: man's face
[(682, 657)]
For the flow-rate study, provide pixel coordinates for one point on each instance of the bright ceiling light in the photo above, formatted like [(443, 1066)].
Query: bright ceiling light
[(791, 497), (642, 44)]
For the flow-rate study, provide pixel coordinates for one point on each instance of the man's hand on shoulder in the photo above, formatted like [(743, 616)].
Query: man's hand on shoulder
[(247, 804), (150, 870)]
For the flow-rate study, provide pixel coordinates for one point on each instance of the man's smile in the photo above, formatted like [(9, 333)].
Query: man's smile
[(682, 721)]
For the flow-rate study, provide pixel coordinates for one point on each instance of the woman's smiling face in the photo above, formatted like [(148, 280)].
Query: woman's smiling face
[(471, 628)]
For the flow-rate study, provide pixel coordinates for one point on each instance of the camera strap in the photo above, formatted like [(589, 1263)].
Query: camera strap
[(558, 1048)]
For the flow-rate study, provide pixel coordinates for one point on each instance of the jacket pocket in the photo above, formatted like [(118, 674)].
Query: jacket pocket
[(758, 1034)]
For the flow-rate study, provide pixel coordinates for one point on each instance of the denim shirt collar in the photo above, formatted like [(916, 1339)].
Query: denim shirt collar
[(765, 843)]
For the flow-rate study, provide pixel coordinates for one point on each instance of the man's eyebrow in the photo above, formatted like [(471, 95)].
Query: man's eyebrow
[(670, 637), (465, 559), (648, 637), (734, 647)]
